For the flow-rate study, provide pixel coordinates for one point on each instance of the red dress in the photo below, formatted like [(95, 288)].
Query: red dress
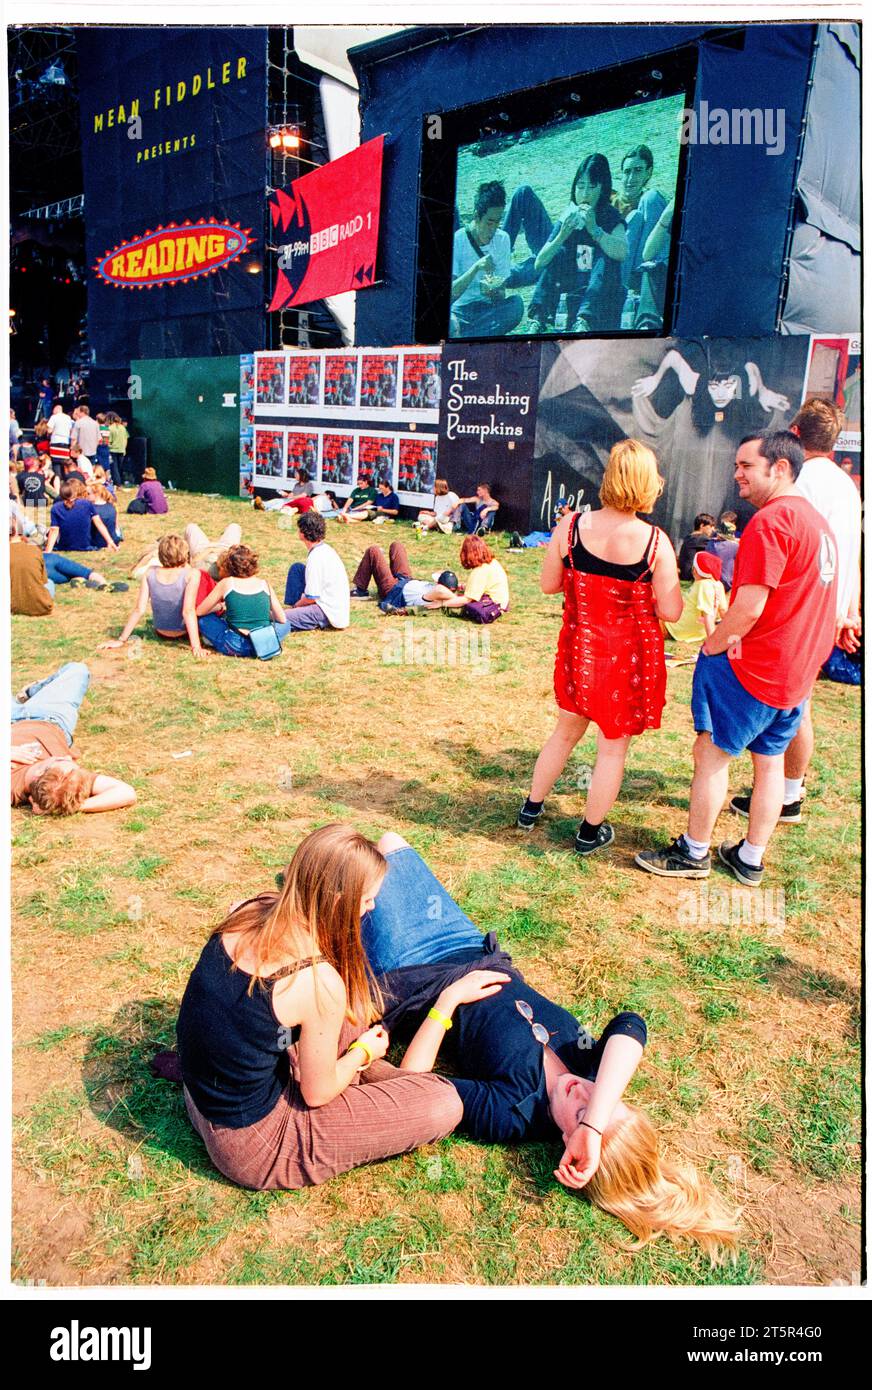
[(610, 666)]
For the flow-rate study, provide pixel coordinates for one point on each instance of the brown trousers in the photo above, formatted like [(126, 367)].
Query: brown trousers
[(384, 570), (383, 1112)]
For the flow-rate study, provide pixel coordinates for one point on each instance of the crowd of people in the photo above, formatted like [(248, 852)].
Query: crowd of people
[(287, 1017)]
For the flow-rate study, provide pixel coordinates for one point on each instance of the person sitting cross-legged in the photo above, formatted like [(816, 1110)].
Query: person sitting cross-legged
[(316, 593), (397, 590)]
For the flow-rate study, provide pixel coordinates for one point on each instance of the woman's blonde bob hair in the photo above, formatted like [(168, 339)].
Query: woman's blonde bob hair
[(654, 1196), (173, 552), (631, 482), (318, 910)]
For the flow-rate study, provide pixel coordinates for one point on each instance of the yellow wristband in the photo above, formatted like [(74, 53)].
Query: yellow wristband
[(362, 1047), (437, 1017)]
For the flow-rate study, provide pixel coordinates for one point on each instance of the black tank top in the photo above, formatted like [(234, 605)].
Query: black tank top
[(586, 563), (233, 1050)]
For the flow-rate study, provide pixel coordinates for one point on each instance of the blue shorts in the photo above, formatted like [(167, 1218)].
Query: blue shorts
[(722, 707)]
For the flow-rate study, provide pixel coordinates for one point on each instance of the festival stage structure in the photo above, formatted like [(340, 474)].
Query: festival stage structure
[(748, 138)]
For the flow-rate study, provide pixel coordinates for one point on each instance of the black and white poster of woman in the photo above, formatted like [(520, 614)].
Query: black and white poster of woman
[(690, 400)]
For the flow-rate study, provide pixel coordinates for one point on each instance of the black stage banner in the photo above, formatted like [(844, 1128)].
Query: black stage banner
[(487, 423), (690, 400), (173, 132)]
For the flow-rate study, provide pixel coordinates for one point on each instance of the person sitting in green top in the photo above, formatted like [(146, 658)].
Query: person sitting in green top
[(250, 603), (361, 504)]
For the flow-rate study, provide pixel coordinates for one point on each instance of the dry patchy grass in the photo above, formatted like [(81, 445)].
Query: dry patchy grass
[(752, 1068)]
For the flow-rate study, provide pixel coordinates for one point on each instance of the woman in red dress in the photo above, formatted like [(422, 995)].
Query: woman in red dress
[(619, 576)]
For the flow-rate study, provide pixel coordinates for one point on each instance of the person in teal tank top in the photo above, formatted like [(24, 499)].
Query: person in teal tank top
[(250, 603)]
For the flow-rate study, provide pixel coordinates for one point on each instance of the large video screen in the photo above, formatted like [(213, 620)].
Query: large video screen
[(567, 227)]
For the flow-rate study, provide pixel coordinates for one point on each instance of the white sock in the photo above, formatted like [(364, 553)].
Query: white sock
[(792, 790), (752, 855), (696, 848)]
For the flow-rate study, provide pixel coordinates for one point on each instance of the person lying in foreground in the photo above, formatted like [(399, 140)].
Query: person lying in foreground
[(527, 1069), (44, 761)]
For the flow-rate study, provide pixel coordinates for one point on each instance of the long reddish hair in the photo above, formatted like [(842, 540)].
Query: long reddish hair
[(475, 552), (318, 909)]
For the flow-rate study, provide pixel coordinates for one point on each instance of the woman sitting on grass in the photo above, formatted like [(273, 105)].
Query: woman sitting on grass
[(280, 1054), (107, 509), (171, 588), (485, 595), (250, 603), (74, 519), (526, 1069)]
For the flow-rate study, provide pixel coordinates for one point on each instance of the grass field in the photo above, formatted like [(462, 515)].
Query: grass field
[(752, 1069)]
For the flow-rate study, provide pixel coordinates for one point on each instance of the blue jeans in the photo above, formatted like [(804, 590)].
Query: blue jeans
[(526, 213), (60, 569), (414, 921), (295, 584), (57, 698), (305, 619), (484, 318), (471, 519), (226, 640)]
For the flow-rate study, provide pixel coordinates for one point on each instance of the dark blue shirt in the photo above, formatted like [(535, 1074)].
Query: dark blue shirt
[(232, 1048), (503, 1074), (392, 501), (74, 524)]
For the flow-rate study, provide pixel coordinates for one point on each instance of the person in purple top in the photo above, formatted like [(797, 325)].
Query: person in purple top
[(151, 493)]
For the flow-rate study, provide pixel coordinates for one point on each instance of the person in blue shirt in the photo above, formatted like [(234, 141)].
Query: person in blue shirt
[(74, 519), (387, 507), (527, 1069)]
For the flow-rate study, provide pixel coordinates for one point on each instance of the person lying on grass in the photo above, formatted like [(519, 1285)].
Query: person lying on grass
[(44, 760), (172, 587), (527, 1070), (273, 1041), (398, 592), (280, 1050)]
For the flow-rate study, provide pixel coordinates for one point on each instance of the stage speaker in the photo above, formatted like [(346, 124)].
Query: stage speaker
[(138, 455)]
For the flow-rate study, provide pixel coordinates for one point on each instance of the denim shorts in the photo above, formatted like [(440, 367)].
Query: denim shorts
[(722, 707), (414, 921)]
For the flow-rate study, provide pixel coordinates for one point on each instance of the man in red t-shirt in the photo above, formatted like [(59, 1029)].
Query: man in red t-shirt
[(758, 668)]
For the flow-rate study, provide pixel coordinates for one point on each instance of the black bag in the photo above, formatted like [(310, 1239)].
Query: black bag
[(138, 505)]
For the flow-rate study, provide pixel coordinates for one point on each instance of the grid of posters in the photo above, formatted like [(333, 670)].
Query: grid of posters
[(345, 415), (246, 422)]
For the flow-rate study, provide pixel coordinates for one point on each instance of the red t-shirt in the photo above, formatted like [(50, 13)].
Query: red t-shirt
[(788, 547)]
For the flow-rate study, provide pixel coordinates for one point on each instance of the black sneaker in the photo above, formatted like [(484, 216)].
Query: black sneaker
[(791, 812), (515, 542), (604, 836), (360, 593), (528, 820), (674, 861), (745, 873)]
